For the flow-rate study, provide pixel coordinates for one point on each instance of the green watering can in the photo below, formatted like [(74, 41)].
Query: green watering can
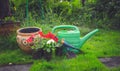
[(71, 35)]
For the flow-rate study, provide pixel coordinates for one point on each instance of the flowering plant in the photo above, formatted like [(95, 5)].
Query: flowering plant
[(46, 42), (48, 45)]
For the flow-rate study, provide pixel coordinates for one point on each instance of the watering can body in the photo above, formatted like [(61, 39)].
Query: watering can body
[(71, 34)]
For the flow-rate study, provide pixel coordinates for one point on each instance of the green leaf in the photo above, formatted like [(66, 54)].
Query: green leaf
[(48, 50)]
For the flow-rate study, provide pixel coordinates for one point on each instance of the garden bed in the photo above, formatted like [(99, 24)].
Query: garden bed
[(103, 44), (7, 28)]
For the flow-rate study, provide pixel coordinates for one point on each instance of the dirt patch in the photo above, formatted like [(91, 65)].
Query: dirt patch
[(25, 67), (111, 62)]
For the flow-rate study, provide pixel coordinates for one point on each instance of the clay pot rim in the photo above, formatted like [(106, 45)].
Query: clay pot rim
[(28, 34)]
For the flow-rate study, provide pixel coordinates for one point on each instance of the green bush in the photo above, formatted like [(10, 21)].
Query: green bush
[(8, 42), (109, 9), (101, 13), (62, 8)]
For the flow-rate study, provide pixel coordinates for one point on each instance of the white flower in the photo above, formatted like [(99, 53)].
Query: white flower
[(10, 63), (50, 41)]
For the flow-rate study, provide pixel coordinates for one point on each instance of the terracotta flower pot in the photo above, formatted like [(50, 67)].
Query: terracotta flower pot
[(25, 33)]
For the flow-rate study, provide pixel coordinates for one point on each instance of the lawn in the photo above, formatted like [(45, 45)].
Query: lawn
[(105, 43)]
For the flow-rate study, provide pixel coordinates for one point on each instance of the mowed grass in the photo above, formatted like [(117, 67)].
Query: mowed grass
[(105, 43)]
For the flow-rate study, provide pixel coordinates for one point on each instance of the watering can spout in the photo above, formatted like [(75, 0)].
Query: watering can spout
[(86, 37)]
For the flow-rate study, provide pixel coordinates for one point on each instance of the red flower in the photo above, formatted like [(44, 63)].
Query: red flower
[(49, 35), (52, 36), (30, 39)]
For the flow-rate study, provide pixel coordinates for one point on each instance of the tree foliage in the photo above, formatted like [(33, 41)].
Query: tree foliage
[(110, 7), (107, 11)]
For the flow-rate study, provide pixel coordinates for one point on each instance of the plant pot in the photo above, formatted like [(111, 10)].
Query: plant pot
[(38, 54), (59, 51), (6, 28), (47, 55), (25, 33)]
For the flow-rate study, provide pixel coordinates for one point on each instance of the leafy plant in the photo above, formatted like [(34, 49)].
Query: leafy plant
[(37, 44), (9, 19), (49, 47), (43, 44), (63, 8)]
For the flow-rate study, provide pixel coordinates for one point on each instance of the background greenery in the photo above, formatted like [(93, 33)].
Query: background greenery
[(101, 14)]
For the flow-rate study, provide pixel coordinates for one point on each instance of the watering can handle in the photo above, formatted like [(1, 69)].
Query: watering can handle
[(64, 27)]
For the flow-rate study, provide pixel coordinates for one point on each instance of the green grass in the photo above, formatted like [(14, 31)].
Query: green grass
[(104, 43), (10, 52), (80, 63), (14, 57)]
